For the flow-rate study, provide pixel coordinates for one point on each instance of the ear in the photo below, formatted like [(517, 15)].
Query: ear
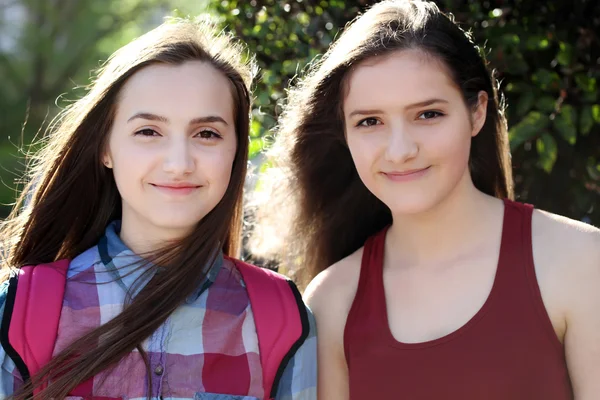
[(107, 160), (479, 113)]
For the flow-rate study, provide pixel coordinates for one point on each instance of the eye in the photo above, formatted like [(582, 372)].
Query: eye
[(208, 134), (430, 115), (146, 132), (368, 122)]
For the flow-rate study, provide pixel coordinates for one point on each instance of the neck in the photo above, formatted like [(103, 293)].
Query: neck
[(144, 238), (453, 227)]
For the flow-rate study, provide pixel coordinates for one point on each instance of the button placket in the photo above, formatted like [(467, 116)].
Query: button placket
[(157, 360)]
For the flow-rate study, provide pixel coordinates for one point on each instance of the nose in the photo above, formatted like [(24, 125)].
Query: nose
[(178, 159), (401, 146)]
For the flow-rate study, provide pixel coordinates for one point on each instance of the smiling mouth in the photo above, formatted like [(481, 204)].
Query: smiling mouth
[(183, 189), (406, 175)]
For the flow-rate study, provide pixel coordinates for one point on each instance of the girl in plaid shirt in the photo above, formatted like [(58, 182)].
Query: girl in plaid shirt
[(140, 186)]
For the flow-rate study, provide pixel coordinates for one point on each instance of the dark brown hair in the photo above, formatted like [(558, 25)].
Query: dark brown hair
[(313, 182), (72, 197)]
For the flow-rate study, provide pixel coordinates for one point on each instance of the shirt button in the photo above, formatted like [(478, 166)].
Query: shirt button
[(159, 370)]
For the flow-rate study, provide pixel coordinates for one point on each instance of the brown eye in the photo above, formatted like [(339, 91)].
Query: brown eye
[(147, 132), (208, 134), (368, 122), (430, 115)]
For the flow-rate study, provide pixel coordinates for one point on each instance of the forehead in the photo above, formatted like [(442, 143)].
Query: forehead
[(190, 88), (404, 77)]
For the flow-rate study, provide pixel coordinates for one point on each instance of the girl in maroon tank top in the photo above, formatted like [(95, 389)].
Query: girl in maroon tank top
[(434, 283)]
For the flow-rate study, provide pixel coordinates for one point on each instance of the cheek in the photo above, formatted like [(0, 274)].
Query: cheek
[(450, 144), (216, 165), (131, 162), (364, 151)]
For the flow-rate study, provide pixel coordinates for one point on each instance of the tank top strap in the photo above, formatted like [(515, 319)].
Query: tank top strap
[(515, 251), (368, 306), (371, 267)]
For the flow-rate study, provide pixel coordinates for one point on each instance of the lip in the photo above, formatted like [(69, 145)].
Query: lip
[(408, 175), (176, 188)]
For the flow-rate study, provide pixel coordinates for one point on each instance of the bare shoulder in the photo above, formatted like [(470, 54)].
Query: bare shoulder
[(567, 259), (573, 244), (336, 286), (330, 296)]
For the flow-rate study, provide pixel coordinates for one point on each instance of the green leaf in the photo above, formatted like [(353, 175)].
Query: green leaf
[(263, 98), (546, 79), (586, 121), (590, 97), (547, 151), (594, 171), (265, 166), (525, 103), (519, 87), (528, 128), (546, 104), (585, 83), (289, 67), (495, 13), (537, 42), (255, 147), (565, 55), (596, 112), (261, 17), (255, 129), (565, 124), (303, 18), (511, 39)]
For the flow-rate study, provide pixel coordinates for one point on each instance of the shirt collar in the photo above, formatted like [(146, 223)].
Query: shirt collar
[(125, 267)]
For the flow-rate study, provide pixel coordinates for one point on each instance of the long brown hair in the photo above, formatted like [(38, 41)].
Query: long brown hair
[(313, 182), (72, 197)]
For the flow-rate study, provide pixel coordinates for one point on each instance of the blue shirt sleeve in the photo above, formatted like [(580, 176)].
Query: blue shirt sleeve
[(299, 379), (8, 373)]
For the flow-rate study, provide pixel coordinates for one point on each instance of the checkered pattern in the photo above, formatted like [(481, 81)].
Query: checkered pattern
[(207, 349)]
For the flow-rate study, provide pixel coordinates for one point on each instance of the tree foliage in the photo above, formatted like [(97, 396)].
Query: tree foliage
[(47, 50), (546, 57)]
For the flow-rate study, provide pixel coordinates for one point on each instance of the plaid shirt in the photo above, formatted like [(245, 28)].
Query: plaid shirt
[(207, 349)]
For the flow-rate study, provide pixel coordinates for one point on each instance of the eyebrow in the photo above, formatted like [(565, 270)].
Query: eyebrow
[(414, 105), (154, 117), (364, 112), (426, 103)]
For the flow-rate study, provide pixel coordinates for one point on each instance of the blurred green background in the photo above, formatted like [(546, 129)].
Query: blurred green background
[(546, 55)]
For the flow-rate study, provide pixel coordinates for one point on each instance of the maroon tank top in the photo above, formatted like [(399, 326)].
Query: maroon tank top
[(508, 350)]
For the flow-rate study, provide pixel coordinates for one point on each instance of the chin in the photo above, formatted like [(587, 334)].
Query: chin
[(411, 205), (176, 222), (408, 209)]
